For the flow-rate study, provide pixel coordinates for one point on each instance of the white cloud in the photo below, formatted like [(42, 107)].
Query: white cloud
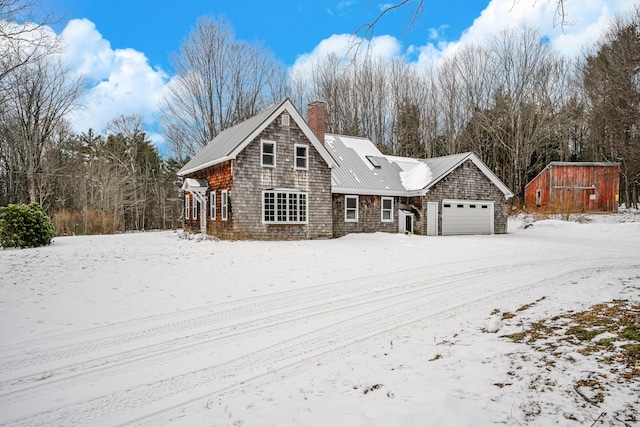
[(584, 23), (346, 46), (121, 80)]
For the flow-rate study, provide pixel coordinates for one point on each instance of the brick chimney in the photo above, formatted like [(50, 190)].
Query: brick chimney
[(316, 118)]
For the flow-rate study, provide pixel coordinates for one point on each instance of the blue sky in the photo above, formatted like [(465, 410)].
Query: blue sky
[(290, 28), (123, 46)]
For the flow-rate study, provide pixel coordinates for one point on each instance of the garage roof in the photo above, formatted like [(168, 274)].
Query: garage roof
[(362, 169)]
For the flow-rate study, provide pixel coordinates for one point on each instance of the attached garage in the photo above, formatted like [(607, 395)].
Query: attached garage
[(467, 217)]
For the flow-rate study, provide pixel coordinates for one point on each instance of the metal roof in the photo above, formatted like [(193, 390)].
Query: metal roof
[(584, 164), (231, 141), (356, 174)]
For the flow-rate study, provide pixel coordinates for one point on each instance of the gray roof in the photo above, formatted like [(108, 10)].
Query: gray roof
[(394, 176), (231, 141)]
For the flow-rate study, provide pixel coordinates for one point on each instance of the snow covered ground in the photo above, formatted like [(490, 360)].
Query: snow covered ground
[(366, 330)]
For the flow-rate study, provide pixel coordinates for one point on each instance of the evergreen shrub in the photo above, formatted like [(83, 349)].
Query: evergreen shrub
[(25, 226)]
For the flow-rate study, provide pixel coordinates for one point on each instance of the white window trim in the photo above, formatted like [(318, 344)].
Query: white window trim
[(295, 156), (382, 209), (285, 120), (224, 200), (195, 208), (187, 207), (262, 142), (212, 205), (287, 204), (346, 197)]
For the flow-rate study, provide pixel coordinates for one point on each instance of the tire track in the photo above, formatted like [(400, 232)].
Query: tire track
[(190, 386), (223, 314)]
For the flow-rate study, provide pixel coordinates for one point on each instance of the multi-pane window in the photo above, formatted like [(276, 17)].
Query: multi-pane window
[(187, 208), (212, 205), (301, 156), (351, 208), (195, 208), (387, 209), (224, 196), (268, 153), (284, 207)]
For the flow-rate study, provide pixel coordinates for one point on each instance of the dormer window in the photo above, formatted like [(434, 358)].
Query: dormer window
[(268, 154)]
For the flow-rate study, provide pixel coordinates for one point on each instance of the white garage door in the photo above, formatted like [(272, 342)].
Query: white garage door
[(467, 217)]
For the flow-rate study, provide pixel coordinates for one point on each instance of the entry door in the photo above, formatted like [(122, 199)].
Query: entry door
[(408, 224), (432, 218), (405, 221)]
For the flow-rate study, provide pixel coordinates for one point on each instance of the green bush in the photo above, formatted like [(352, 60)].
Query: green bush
[(25, 226)]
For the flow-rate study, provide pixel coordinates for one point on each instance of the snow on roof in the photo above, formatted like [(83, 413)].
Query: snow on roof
[(417, 177)]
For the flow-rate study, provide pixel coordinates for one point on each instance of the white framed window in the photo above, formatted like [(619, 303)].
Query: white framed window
[(387, 209), (194, 205), (212, 205), (284, 207), (224, 200), (301, 156), (268, 154), (351, 208), (285, 120), (187, 208)]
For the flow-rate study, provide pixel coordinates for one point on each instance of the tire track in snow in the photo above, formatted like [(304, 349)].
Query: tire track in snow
[(297, 350), (215, 315), (213, 338)]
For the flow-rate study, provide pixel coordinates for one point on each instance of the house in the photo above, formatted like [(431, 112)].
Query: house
[(268, 177), (449, 195), (575, 187), (276, 176)]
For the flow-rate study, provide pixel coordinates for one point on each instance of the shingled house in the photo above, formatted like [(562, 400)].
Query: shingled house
[(449, 195), (268, 177), (276, 177)]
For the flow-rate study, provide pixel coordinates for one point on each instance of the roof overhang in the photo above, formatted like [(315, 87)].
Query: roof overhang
[(370, 192), (193, 185)]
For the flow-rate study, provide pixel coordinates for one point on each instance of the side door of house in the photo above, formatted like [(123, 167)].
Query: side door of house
[(432, 218)]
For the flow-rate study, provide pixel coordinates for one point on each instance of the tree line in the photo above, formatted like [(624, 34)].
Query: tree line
[(511, 99)]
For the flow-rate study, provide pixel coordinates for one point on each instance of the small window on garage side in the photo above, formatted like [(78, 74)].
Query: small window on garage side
[(268, 154), (387, 209), (351, 208), (301, 156)]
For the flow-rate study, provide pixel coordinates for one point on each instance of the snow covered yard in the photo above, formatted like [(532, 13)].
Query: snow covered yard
[(148, 329)]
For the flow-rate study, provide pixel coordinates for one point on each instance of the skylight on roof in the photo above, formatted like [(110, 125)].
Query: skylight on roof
[(374, 162)]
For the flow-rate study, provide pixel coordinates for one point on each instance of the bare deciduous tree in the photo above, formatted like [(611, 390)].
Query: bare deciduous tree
[(611, 82), (39, 97), (219, 81)]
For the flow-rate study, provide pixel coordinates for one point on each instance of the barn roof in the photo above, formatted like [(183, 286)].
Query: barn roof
[(231, 141)]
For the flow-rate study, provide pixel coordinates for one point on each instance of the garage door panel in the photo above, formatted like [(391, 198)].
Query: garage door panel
[(467, 217)]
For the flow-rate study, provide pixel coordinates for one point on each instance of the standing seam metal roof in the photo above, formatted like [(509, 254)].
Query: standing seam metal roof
[(224, 144)]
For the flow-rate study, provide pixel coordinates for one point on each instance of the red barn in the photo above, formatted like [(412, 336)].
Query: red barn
[(575, 187)]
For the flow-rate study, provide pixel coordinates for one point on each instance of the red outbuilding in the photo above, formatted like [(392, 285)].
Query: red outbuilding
[(575, 187)]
